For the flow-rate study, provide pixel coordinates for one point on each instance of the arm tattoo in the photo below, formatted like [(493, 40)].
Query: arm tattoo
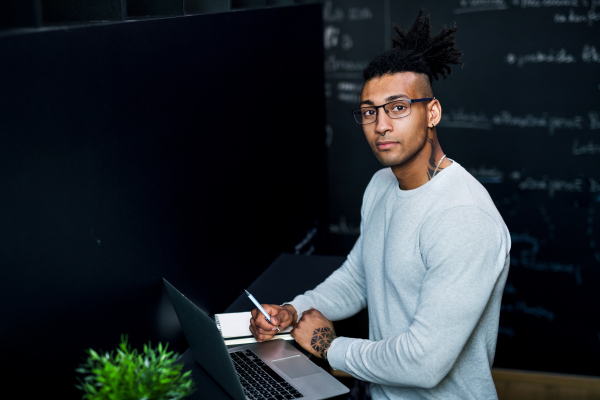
[(321, 340), (431, 167)]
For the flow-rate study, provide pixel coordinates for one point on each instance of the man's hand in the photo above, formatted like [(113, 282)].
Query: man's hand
[(314, 333), (282, 316)]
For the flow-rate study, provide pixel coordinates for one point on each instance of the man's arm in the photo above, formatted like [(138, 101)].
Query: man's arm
[(340, 296), (463, 267)]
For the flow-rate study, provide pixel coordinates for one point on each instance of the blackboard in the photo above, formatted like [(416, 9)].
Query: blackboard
[(523, 116)]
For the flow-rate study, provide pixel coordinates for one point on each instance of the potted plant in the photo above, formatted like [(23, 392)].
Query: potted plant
[(126, 374)]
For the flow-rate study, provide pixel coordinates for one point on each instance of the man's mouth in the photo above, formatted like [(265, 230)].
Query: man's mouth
[(383, 145)]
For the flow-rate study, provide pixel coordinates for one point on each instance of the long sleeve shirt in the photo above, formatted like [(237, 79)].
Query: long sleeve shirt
[(430, 264)]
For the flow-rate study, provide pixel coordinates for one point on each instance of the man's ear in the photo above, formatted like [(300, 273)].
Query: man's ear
[(434, 113)]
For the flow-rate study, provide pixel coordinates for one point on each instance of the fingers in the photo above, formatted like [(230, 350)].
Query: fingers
[(260, 328), (261, 322)]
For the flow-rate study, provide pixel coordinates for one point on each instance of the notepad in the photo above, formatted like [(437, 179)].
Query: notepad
[(235, 329)]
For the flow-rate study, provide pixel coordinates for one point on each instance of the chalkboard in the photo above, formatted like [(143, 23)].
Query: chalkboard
[(523, 116)]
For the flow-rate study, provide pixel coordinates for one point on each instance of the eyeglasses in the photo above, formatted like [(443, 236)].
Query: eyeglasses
[(394, 109)]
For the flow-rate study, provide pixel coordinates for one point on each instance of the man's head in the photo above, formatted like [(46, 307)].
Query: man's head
[(405, 72), (417, 51)]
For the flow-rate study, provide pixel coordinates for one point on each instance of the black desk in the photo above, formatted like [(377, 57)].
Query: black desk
[(272, 286)]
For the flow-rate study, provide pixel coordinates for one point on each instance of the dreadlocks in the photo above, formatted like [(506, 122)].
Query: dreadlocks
[(416, 51)]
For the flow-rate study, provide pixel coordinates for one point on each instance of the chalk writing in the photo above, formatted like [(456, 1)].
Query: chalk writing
[(509, 288), (329, 135), (505, 118), (487, 175), (461, 119), (547, 3), (589, 148), (332, 64), (594, 185), (590, 232), (94, 238), (359, 14), (331, 14), (573, 18), (594, 118), (310, 234), (337, 14), (535, 311), (332, 38), (552, 185), (548, 222), (343, 228), (480, 5), (527, 258), (350, 86), (349, 92), (505, 330), (589, 54), (560, 57), (349, 98)]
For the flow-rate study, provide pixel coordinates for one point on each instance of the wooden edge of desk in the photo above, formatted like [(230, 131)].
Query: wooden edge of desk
[(502, 375), (545, 378)]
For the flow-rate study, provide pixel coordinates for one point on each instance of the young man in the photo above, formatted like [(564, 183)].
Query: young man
[(433, 254)]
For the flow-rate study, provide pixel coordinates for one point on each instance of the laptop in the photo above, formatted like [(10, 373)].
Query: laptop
[(258, 371)]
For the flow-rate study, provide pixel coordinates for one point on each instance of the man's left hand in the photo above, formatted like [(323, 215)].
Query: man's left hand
[(314, 333)]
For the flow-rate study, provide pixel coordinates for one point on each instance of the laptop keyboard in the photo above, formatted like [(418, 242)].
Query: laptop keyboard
[(259, 381)]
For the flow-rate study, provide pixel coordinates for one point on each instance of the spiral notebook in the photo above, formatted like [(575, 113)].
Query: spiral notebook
[(235, 330)]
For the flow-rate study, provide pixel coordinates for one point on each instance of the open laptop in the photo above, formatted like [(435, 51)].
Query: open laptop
[(256, 371)]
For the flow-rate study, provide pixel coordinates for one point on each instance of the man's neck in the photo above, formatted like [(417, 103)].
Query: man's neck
[(422, 167)]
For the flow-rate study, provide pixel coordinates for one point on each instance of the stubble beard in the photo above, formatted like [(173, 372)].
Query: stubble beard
[(403, 157)]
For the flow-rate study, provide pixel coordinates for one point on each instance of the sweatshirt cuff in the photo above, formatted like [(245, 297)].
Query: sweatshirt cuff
[(300, 306), (336, 355)]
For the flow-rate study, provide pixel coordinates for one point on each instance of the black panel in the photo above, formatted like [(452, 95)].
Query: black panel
[(244, 4), (69, 11), (151, 8), (206, 6), (135, 151), (19, 14)]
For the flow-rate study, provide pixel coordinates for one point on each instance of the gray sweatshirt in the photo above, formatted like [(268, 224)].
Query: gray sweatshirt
[(431, 264)]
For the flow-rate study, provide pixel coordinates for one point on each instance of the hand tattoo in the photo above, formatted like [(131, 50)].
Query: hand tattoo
[(321, 340)]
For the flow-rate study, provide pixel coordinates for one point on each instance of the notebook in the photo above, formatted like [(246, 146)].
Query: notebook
[(235, 330), (258, 371)]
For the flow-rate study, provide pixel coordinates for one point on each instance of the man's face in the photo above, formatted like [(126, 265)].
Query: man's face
[(396, 141)]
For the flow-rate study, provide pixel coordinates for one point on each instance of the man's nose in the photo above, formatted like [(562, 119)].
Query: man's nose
[(383, 123)]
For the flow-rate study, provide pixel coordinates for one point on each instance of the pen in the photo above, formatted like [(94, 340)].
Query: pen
[(262, 310)]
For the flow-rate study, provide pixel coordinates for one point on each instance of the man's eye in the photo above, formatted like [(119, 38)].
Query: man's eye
[(369, 113), (399, 107)]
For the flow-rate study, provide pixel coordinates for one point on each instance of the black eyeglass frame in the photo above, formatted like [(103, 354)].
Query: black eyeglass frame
[(410, 101)]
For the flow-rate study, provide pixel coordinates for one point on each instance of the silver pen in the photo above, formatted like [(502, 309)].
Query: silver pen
[(262, 310)]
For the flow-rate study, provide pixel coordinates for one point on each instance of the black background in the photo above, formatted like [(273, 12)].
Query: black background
[(135, 151), (519, 129)]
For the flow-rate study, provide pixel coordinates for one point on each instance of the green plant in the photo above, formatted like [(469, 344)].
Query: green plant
[(127, 374)]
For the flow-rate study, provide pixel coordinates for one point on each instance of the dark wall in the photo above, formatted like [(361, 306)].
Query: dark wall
[(523, 116), (179, 148)]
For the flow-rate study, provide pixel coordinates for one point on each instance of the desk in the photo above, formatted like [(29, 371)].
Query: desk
[(272, 286)]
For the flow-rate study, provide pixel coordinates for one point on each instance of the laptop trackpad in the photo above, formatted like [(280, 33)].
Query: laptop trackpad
[(296, 366)]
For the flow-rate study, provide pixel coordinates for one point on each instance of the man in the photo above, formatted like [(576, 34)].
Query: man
[(433, 254)]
